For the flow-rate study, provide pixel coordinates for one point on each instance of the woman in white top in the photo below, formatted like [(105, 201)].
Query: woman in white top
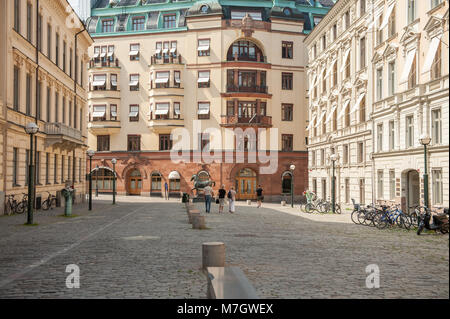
[(232, 199)]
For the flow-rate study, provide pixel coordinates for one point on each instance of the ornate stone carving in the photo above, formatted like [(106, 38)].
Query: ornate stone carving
[(248, 26)]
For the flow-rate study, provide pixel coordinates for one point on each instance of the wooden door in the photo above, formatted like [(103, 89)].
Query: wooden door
[(246, 188), (135, 183)]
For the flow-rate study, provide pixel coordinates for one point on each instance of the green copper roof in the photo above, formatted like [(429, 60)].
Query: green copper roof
[(151, 13)]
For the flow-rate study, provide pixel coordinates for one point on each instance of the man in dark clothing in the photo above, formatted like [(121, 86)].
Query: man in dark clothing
[(222, 193), (259, 196)]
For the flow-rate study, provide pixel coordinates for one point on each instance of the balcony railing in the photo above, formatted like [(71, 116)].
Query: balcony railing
[(262, 120), (63, 130), (102, 62), (166, 59), (247, 57), (250, 89)]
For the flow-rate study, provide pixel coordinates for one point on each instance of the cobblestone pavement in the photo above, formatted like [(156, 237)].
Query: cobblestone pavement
[(144, 248)]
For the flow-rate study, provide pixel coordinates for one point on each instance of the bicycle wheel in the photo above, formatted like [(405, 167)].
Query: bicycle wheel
[(338, 209), (324, 208), (354, 217), (369, 219), (309, 208), (381, 221), (362, 218), (20, 208), (302, 208), (414, 219), (45, 204), (406, 222)]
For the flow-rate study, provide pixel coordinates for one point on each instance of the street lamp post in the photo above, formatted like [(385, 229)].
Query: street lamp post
[(31, 129), (96, 181), (333, 158), (425, 140), (292, 168), (90, 153), (114, 161)]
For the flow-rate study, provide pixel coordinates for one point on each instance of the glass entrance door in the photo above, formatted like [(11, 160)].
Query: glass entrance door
[(246, 185)]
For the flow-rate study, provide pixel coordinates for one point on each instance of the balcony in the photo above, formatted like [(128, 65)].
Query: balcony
[(231, 88), (63, 136), (164, 124), (247, 58), (104, 63), (256, 120), (104, 127), (170, 59)]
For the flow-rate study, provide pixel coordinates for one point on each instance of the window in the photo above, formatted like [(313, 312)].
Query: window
[(134, 82), (347, 190), (204, 141), (347, 116), (134, 143), (314, 185), (380, 30), (362, 188), (345, 154), (315, 51), (134, 51), (409, 131), (166, 46), (156, 182), (113, 112), (391, 78), (203, 111), (324, 42), (47, 168), (362, 57), (380, 185), (28, 95), (287, 50), (347, 66), (360, 152), (379, 137), (99, 82), (113, 82), (391, 184), (165, 143), (362, 7), (70, 62), (174, 185), (203, 79), (411, 11), (79, 169), (49, 41), (287, 112), (55, 169), (108, 25), (38, 100), (39, 36), (437, 181), (102, 143), (203, 48), (138, 23), (436, 127), (317, 20), (334, 32), (176, 79), (437, 63), (313, 158), (62, 168), (391, 135), (391, 24), (169, 21), (16, 81), (57, 49), (362, 110), (63, 110), (29, 21), (435, 3), (176, 110), (48, 103), (324, 82), (162, 79), (110, 53), (412, 78), (162, 111), (15, 162), (239, 15), (335, 74), (134, 113), (69, 168), (324, 188), (379, 84), (56, 106), (286, 81), (347, 19), (287, 142), (64, 56), (322, 157)]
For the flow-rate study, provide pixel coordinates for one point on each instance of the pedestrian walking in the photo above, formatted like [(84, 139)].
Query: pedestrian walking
[(259, 196), (222, 193), (208, 191), (166, 193), (232, 199)]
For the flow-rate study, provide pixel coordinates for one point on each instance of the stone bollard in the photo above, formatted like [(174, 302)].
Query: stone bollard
[(283, 203), (198, 222), (249, 202), (192, 216), (213, 254)]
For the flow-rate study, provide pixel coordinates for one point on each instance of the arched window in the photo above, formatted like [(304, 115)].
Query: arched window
[(245, 51), (102, 179)]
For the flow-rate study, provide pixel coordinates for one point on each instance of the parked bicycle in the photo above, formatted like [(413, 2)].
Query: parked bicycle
[(392, 216), (49, 202), (13, 206)]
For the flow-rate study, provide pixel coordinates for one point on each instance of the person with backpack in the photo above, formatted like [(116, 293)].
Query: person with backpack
[(208, 191), (232, 199), (222, 193)]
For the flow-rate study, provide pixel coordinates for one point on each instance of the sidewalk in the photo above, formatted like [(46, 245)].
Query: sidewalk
[(344, 218)]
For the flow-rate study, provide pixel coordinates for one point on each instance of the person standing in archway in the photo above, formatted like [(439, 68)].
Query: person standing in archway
[(259, 196)]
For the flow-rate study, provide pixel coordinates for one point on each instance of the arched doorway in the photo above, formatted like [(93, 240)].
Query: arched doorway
[(134, 182), (412, 189), (286, 183), (156, 187), (246, 184)]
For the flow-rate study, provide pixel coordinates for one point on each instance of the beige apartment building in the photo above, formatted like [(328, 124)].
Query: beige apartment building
[(211, 69), (44, 80), (372, 103)]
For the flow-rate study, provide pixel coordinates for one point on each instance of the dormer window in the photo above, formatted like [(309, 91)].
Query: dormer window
[(287, 12), (138, 23), (204, 9), (239, 15), (108, 25)]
